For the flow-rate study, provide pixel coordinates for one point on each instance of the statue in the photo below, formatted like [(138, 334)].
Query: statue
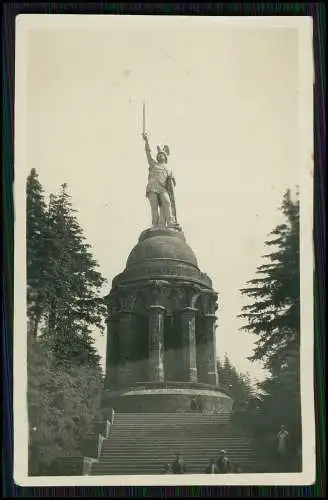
[(159, 189)]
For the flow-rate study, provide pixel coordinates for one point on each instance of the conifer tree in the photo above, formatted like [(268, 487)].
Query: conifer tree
[(64, 284), (273, 315), (274, 312), (36, 251), (74, 305), (238, 384), (63, 281)]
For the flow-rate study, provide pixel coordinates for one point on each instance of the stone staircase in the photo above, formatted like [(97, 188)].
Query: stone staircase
[(141, 443)]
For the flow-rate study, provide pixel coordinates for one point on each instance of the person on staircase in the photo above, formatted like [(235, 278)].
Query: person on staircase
[(223, 463), (178, 466), (212, 468), (283, 446), (112, 416), (299, 460), (236, 469), (167, 469)]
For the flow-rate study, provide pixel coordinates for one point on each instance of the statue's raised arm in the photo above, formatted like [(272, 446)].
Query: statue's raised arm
[(150, 159)]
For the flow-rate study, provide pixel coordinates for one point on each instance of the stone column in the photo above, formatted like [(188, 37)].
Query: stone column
[(125, 348), (156, 343), (188, 326), (211, 367)]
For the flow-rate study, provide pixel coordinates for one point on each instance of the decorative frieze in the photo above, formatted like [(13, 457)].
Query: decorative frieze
[(157, 292), (158, 269)]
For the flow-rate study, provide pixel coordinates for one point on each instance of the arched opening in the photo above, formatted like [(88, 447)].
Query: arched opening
[(172, 347), (201, 341), (141, 325)]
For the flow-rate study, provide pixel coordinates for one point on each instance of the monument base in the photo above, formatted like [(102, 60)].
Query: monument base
[(168, 397)]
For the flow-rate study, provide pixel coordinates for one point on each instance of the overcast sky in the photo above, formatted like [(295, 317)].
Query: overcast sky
[(224, 98)]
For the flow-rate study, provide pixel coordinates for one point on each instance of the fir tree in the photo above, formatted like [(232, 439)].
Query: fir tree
[(236, 383), (273, 315), (64, 375), (74, 305), (274, 312), (36, 252), (63, 281)]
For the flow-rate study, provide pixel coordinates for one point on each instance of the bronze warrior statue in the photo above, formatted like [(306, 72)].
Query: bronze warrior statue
[(159, 189)]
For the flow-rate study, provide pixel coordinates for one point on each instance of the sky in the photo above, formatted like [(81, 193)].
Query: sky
[(223, 97)]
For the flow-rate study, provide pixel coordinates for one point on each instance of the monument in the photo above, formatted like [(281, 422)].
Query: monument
[(161, 335)]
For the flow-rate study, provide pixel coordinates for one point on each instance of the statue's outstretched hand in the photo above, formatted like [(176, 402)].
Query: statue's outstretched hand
[(144, 136)]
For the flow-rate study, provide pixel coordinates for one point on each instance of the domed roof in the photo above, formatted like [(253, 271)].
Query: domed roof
[(161, 244)]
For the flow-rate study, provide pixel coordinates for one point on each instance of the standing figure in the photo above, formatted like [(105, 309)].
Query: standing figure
[(223, 463), (282, 444), (167, 469), (159, 189), (178, 466), (212, 467)]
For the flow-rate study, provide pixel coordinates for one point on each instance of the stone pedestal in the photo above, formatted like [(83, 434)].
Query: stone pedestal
[(156, 343), (210, 358), (188, 326), (168, 397), (164, 330)]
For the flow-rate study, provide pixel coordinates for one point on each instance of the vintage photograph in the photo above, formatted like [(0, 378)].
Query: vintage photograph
[(163, 301)]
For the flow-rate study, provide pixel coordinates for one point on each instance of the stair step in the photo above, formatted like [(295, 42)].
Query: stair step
[(152, 433), (171, 451), (127, 445), (141, 443), (132, 446), (177, 438), (159, 470), (168, 417), (174, 438)]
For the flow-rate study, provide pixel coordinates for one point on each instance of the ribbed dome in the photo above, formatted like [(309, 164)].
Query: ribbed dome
[(161, 244)]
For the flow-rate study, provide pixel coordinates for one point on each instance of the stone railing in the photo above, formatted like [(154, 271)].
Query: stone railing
[(87, 465), (89, 461), (108, 428)]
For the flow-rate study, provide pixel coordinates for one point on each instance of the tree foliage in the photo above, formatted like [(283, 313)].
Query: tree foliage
[(273, 315), (237, 384), (63, 278), (63, 307), (62, 405), (36, 251), (74, 305)]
